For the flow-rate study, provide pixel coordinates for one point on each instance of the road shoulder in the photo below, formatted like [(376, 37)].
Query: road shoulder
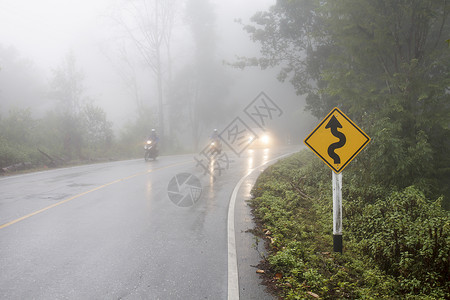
[(249, 248)]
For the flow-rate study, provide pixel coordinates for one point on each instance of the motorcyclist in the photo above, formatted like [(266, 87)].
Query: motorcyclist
[(216, 145), (151, 148), (153, 136), (215, 135)]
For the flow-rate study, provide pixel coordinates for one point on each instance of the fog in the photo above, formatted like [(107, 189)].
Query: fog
[(40, 35)]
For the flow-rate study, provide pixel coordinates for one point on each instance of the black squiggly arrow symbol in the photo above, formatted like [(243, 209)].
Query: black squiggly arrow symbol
[(334, 124)]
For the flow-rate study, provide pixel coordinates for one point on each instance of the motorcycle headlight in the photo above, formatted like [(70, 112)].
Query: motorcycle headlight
[(265, 139), (149, 142)]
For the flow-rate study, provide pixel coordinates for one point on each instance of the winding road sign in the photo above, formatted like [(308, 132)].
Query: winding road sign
[(337, 140)]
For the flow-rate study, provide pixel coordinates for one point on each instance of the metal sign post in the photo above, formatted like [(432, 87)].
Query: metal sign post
[(337, 212), (337, 141)]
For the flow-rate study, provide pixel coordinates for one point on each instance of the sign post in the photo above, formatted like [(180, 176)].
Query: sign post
[(337, 140), (337, 212)]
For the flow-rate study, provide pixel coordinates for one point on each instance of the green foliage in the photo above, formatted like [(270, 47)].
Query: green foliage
[(385, 64), (63, 136), (133, 135), (396, 243), (74, 131), (408, 236), (9, 155), (67, 86), (98, 130), (17, 138), (18, 126)]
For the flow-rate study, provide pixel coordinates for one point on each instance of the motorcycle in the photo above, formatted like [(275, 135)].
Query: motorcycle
[(151, 152), (215, 147)]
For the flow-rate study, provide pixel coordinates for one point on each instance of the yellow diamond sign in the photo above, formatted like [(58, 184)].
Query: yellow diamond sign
[(337, 140)]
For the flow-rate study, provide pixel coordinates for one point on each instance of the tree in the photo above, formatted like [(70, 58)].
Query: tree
[(199, 90), (17, 137), (149, 23), (81, 124), (68, 90), (98, 133), (67, 86), (385, 63), (126, 67), (21, 85)]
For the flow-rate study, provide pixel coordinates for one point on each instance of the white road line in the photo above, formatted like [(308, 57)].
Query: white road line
[(233, 276)]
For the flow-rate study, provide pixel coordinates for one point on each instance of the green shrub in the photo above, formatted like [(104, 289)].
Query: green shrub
[(396, 243), (408, 236), (9, 155)]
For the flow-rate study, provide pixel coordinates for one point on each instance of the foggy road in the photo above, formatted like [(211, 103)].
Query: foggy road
[(110, 231)]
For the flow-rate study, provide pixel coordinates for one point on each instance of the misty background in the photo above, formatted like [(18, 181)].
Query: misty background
[(99, 58)]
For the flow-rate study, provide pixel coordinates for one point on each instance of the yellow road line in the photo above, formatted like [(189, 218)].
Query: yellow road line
[(84, 193)]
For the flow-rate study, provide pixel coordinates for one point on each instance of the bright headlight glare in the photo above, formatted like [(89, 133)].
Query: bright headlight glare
[(265, 139)]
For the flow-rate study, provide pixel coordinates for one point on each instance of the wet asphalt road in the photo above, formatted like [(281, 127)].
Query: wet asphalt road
[(110, 231)]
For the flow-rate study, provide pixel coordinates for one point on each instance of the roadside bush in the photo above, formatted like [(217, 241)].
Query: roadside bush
[(14, 154), (8, 155), (396, 243), (408, 237)]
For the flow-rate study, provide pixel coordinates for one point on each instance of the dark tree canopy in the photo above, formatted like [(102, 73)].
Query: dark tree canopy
[(386, 63)]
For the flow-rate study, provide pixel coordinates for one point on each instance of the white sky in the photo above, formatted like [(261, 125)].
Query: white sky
[(45, 30)]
